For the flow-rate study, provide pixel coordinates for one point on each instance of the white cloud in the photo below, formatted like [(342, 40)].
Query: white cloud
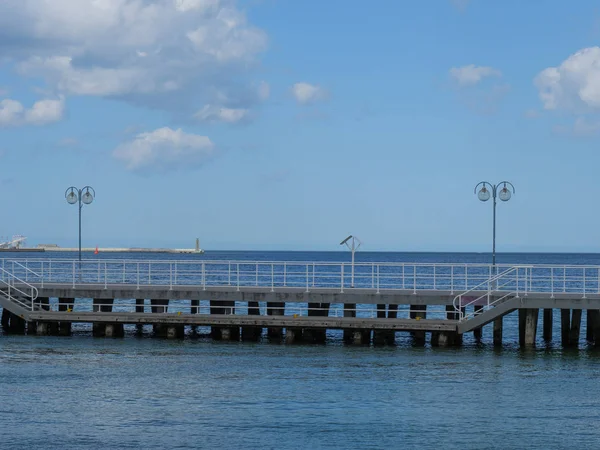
[(573, 85), (212, 113), (165, 149), (13, 113), (159, 52), (472, 74), (308, 93)]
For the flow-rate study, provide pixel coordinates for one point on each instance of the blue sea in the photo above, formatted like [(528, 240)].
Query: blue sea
[(145, 393)]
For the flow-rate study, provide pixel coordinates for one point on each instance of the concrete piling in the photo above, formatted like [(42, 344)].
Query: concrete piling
[(222, 333), (418, 312), (548, 319), (349, 311), (316, 335), (477, 332), (275, 309), (575, 327), (175, 332), (498, 329), (591, 318), (65, 304), (565, 327), (385, 337), (159, 306), (252, 333), (139, 308), (293, 335)]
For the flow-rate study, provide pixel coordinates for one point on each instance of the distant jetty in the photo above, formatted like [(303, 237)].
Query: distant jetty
[(56, 248)]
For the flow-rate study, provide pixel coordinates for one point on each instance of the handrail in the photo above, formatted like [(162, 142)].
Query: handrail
[(12, 287), (488, 282)]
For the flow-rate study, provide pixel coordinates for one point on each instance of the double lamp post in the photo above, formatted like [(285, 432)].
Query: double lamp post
[(83, 196)]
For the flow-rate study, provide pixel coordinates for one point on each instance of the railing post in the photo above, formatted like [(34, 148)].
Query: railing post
[(372, 275), (403, 278), (452, 279), (203, 276), (105, 276), (123, 272), (170, 276), (284, 274), (138, 275), (378, 278), (229, 273), (415, 279), (272, 277), (583, 282), (518, 282), (313, 275), (42, 274), (256, 274), (342, 279), (175, 282), (434, 283), (73, 274), (238, 276), (551, 282), (307, 278)]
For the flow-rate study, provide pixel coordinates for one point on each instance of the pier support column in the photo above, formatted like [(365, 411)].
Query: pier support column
[(41, 328), (316, 335), (6, 319), (159, 306), (114, 330), (385, 337), (17, 325), (477, 332), (528, 319), (139, 308), (175, 332), (548, 318), (65, 304), (565, 327), (498, 328), (252, 333), (418, 312), (596, 329), (224, 307), (591, 318), (349, 311), (293, 335), (575, 327), (275, 309), (102, 305)]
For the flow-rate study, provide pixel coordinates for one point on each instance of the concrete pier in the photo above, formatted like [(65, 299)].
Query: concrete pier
[(498, 329), (114, 330), (591, 318), (139, 308), (159, 306)]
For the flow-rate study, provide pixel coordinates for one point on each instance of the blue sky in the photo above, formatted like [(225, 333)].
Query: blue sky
[(288, 125)]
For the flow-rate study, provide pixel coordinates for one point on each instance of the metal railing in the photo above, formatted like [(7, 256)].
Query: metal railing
[(496, 289), (307, 276), (17, 290)]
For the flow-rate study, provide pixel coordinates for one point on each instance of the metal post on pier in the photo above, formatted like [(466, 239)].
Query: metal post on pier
[(353, 249)]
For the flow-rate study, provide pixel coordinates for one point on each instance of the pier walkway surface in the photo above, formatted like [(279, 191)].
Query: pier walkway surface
[(46, 296)]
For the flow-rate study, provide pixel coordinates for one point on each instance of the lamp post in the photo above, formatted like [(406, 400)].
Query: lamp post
[(81, 196), (353, 249), (484, 195)]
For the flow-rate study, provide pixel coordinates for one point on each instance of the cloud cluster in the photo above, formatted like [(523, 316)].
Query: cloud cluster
[(472, 74), (165, 149), (162, 52), (306, 93), (13, 113), (574, 85)]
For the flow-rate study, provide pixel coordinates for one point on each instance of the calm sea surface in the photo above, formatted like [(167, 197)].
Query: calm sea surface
[(81, 392)]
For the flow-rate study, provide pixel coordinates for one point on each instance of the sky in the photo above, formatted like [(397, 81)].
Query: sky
[(288, 125)]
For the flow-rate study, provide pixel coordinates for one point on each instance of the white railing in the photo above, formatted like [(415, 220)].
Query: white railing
[(374, 277), (495, 290), (17, 290)]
